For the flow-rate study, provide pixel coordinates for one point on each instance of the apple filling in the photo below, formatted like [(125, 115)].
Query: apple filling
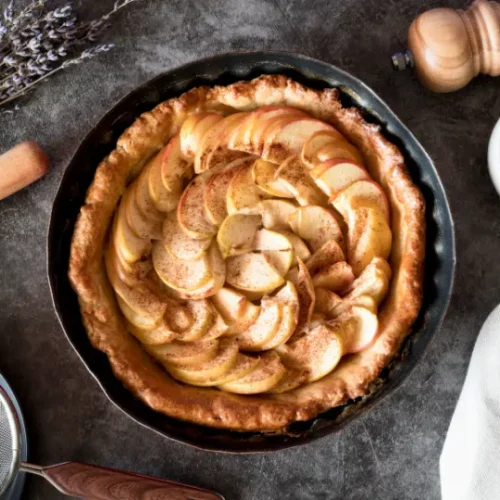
[(250, 254)]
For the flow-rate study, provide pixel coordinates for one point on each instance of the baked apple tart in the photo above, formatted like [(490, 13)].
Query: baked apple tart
[(250, 255)]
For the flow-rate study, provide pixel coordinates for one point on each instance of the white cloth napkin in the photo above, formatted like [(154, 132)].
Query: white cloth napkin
[(470, 461)]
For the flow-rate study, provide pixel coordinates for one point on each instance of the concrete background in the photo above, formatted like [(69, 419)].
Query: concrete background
[(393, 452)]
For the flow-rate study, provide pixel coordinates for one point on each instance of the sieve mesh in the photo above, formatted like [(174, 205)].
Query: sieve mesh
[(8, 442)]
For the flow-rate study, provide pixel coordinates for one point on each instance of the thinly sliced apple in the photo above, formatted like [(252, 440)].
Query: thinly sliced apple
[(315, 142), (266, 375), (293, 275), (264, 329), (369, 236), (326, 301), (140, 319), (288, 296), (327, 145), (214, 283), (222, 363), (300, 249), (213, 149), (357, 327), (178, 243), (184, 353), (329, 253), (128, 244), (128, 272), (337, 277), (218, 329), (203, 318), (361, 194), (337, 175), (174, 169), (139, 297), (161, 334), (275, 214), (237, 232), (148, 228), (215, 193), (180, 274), (191, 213), (243, 366), (242, 194), (238, 312), (163, 199), (307, 297), (373, 281), (263, 175), (252, 272), (318, 352), (289, 138), (316, 225), (291, 380), (344, 306), (193, 130), (143, 198), (300, 184), (277, 247)]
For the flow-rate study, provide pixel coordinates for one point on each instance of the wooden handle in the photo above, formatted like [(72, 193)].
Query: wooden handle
[(98, 483), (20, 166), (450, 47)]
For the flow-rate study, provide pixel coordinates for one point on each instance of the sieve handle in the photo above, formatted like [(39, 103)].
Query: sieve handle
[(98, 483)]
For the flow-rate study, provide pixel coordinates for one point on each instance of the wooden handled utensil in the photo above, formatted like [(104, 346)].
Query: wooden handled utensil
[(20, 166)]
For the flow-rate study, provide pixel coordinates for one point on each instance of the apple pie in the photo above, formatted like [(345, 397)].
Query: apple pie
[(250, 255)]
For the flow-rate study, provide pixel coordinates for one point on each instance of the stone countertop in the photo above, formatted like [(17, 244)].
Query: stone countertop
[(391, 453)]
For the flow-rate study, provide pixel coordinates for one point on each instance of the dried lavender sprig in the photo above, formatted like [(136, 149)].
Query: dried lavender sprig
[(85, 55)]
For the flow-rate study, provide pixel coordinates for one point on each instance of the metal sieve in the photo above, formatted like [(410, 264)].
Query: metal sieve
[(83, 480)]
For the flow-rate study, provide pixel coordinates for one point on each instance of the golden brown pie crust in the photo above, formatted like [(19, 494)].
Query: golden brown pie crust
[(212, 407)]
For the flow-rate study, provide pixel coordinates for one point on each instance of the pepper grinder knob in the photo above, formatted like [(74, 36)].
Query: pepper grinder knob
[(449, 47)]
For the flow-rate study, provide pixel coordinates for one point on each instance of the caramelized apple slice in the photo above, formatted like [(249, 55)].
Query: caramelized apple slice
[(289, 139), (357, 327), (307, 297), (316, 225), (242, 194), (145, 226), (237, 232), (337, 277), (213, 150), (263, 175), (333, 176), (300, 249), (203, 318), (329, 253), (162, 199), (185, 353), (275, 214), (299, 183), (373, 281), (252, 272), (140, 319), (361, 194), (326, 301), (191, 213), (369, 236), (287, 296), (193, 130), (317, 352), (266, 375), (238, 312), (344, 306), (215, 193), (222, 363), (161, 334), (218, 329), (127, 243), (327, 145), (264, 329)]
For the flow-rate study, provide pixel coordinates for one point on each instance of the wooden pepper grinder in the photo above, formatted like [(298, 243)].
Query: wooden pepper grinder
[(450, 47)]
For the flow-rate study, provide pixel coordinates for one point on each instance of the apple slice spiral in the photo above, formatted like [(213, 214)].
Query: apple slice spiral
[(250, 253)]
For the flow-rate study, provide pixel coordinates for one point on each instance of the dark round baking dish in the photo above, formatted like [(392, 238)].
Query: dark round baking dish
[(222, 70)]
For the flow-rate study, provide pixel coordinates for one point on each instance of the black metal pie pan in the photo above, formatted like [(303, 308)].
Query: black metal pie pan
[(222, 70)]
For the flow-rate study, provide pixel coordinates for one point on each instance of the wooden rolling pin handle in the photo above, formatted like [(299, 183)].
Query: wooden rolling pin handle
[(20, 166)]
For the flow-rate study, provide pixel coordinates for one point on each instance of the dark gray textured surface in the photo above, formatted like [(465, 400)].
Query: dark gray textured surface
[(393, 452)]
